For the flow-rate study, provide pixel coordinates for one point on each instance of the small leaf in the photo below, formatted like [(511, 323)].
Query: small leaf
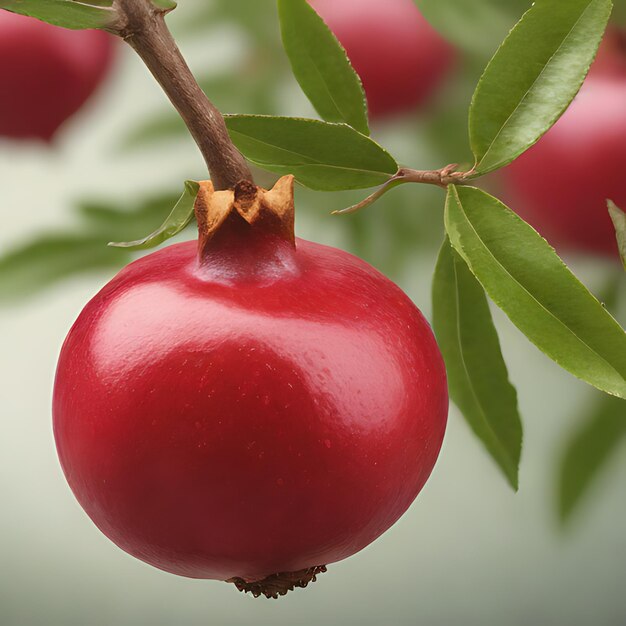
[(533, 77), (588, 452), (50, 258), (477, 375), (321, 66), (65, 13), (176, 221), (322, 156), (523, 275), (619, 221)]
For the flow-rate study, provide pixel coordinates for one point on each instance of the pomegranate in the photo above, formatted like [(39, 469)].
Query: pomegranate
[(253, 412), (561, 184), (46, 74), (399, 56)]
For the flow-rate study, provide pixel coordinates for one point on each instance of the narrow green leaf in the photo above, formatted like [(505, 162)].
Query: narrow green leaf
[(477, 375), (176, 221), (619, 221), (321, 66), (523, 275), (51, 258), (322, 156), (65, 13), (588, 452), (533, 77)]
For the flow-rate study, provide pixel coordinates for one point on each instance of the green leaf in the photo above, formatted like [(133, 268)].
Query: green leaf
[(65, 13), (619, 221), (176, 221), (533, 77), (321, 66), (477, 375), (50, 258), (523, 275), (322, 156), (588, 452)]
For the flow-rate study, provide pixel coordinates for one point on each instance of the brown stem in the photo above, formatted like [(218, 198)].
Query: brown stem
[(143, 26), (442, 178)]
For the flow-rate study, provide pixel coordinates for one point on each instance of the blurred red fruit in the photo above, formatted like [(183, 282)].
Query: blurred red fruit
[(400, 58), (46, 74), (561, 184)]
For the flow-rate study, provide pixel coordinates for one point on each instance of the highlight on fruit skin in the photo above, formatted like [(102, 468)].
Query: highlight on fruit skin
[(401, 59), (251, 408), (47, 74)]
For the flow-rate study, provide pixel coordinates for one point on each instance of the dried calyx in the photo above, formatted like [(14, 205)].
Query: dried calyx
[(279, 584), (246, 210)]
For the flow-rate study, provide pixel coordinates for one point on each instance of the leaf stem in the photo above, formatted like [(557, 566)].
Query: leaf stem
[(442, 177), (142, 25)]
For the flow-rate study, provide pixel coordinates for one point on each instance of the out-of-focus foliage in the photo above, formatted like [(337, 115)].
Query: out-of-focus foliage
[(619, 221), (52, 256), (588, 451), (477, 27)]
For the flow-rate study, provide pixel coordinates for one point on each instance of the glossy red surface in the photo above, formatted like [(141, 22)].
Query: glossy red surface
[(46, 74), (399, 56), (561, 184), (248, 416)]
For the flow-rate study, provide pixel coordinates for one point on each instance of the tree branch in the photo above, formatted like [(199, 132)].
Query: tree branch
[(142, 25), (442, 178)]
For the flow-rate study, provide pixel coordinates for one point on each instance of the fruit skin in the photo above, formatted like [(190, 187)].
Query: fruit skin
[(265, 411), (46, 74), (561, 184), (399, 56)]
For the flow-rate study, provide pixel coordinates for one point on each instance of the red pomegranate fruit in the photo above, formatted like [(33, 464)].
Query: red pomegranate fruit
[(561, 184), (253, 412), (399, 56), (46, 74)]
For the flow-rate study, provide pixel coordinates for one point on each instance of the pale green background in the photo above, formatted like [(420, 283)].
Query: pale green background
[(468, 552)]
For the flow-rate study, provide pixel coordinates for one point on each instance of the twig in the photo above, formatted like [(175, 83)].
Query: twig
[(442, 178), (143, 26)]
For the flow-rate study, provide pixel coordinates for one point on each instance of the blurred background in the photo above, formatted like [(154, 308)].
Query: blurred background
[(469, 551)]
